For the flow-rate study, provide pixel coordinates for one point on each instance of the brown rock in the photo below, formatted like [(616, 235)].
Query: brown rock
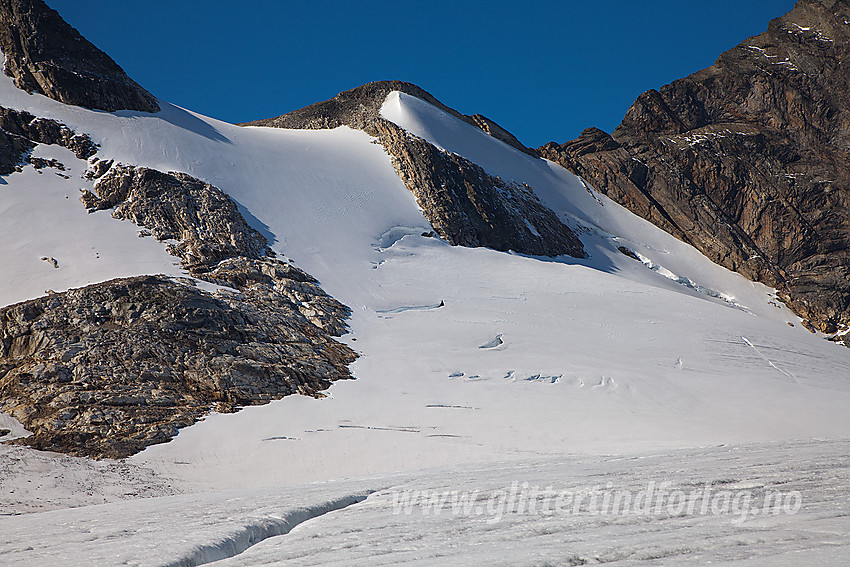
[(747, 160), (111, 368), (108, 369), (176, 206)]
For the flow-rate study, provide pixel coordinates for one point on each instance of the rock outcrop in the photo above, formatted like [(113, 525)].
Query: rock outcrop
[(46, 55), (747, 160), (175, 206), (468, 207), (20, 132), (110, 368), (465, 205)]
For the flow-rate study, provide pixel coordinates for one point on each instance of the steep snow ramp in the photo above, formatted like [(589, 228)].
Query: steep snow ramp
[(445, 131), (334, 191), (49, 243)]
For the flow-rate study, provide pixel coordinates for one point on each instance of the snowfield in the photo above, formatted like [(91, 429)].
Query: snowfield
[(498, 514), (43, 220), (478, 369)]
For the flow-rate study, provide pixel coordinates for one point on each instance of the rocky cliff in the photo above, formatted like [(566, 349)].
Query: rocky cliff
[(46, 55), (748, 160), (465, 205), (110, 368), (20, 132)]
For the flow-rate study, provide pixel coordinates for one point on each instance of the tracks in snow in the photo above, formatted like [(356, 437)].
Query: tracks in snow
[(770, 362), (381, 312)]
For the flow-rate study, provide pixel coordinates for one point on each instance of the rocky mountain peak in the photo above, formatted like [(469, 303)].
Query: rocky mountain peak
[(802, 50), (45, 55), (360, 106), (465, 205)]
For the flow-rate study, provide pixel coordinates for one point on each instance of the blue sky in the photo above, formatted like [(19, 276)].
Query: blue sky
[(543, 70)]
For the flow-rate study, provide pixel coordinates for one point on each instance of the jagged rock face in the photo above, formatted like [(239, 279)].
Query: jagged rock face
[(176, 206), (465, 205), (20, 132), (46, 55), (108, 369), (468, 207), (748, 160)]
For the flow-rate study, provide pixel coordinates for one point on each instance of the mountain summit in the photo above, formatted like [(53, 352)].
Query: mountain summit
[(465, 205)]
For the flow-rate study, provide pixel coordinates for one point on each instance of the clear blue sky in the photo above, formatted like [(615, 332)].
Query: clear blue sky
[(543, 70)]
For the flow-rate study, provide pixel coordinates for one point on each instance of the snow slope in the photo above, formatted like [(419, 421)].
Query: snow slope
[(467, 355), (43, 219), (364, 521), (599, 355)]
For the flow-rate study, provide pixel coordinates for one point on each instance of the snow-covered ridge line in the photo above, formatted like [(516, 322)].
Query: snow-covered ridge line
[(252, 534)]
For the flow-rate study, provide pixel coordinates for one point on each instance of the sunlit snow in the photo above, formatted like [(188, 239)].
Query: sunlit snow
[(472, 360)]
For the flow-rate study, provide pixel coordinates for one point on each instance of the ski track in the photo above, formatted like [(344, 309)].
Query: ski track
[(770, 362)]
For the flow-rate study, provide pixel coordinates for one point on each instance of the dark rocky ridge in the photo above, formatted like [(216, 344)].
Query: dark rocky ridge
[(747, 160), (359, 107), (46, 55), (20, 132), (465, 205), (110, 368)]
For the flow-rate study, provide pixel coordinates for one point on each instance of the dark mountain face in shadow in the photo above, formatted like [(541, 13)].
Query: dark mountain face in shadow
[(46, 55)]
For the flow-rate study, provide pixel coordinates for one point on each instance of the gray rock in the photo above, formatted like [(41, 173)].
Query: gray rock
[(20, 132), (176, 206), (360, 107), (111, 368), (124, 364)]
